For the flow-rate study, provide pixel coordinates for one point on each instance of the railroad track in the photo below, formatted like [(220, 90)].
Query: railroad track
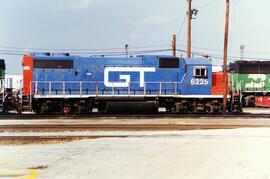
[(7, 140), (44, 134), (131, 116), (124, 127), (48, 133)]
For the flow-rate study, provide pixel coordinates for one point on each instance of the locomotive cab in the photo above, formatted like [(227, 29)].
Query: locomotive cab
[(196, 76)]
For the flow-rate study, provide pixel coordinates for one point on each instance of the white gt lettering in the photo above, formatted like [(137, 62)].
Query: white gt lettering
[(126, 78)]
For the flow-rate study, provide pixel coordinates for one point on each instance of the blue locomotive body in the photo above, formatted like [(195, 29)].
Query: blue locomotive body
[(61, 83), (142, 75)]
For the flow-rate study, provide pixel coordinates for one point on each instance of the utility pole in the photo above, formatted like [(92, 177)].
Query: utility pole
[(190, 14), (174, 45), (189, 29), (226, 38)]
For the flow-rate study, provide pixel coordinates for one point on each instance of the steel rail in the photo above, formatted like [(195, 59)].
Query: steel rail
[(125, 127), (11, 140), (130, 116)]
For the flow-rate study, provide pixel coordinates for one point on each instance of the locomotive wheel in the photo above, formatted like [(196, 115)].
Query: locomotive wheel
[(66, 109), (102, 107), (173, 109), (81, 107), (169, 105), (48, 107), (193, 108), (180, 107), (42, 108), (208, 110)]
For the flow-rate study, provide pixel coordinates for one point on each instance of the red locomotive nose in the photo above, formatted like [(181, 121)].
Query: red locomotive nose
[(218, 83), (27, 74)]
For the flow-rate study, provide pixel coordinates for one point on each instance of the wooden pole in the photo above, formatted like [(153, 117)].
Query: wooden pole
[(226, 38), (174, 45), (189, 30)]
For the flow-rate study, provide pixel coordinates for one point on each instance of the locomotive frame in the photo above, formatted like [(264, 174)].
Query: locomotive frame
[(179, 85), (64, 84)]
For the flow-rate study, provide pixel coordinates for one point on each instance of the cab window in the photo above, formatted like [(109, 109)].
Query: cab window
[(200, 72)]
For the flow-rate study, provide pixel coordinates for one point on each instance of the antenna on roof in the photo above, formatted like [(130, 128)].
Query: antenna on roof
[(242, 48), (126, 48)]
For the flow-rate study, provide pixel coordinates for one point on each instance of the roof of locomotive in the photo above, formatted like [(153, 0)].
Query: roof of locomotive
[(198, 61), (66, 56), (250, 67)]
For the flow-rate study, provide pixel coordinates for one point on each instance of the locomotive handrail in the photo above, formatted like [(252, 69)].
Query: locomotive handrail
[(150, 82), (43, 88), (185, 75)]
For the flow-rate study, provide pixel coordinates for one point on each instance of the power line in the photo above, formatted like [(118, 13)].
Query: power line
[(207, 4), (13, 54), (116, 53), (53, 49), (220, 56), (74, 49), (220, 50), (141, 52), (23, 50), (181, 26), (105, 53)]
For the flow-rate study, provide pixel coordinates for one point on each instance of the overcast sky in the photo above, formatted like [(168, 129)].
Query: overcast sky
[(100, 24)]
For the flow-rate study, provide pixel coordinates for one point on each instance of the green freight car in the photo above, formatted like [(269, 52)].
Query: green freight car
[(251, 78), (251, 83), (2, 73)]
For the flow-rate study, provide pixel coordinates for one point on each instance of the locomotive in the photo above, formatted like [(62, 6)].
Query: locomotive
[(9, 100), (252, 78), (58, 83), (2, 78)]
